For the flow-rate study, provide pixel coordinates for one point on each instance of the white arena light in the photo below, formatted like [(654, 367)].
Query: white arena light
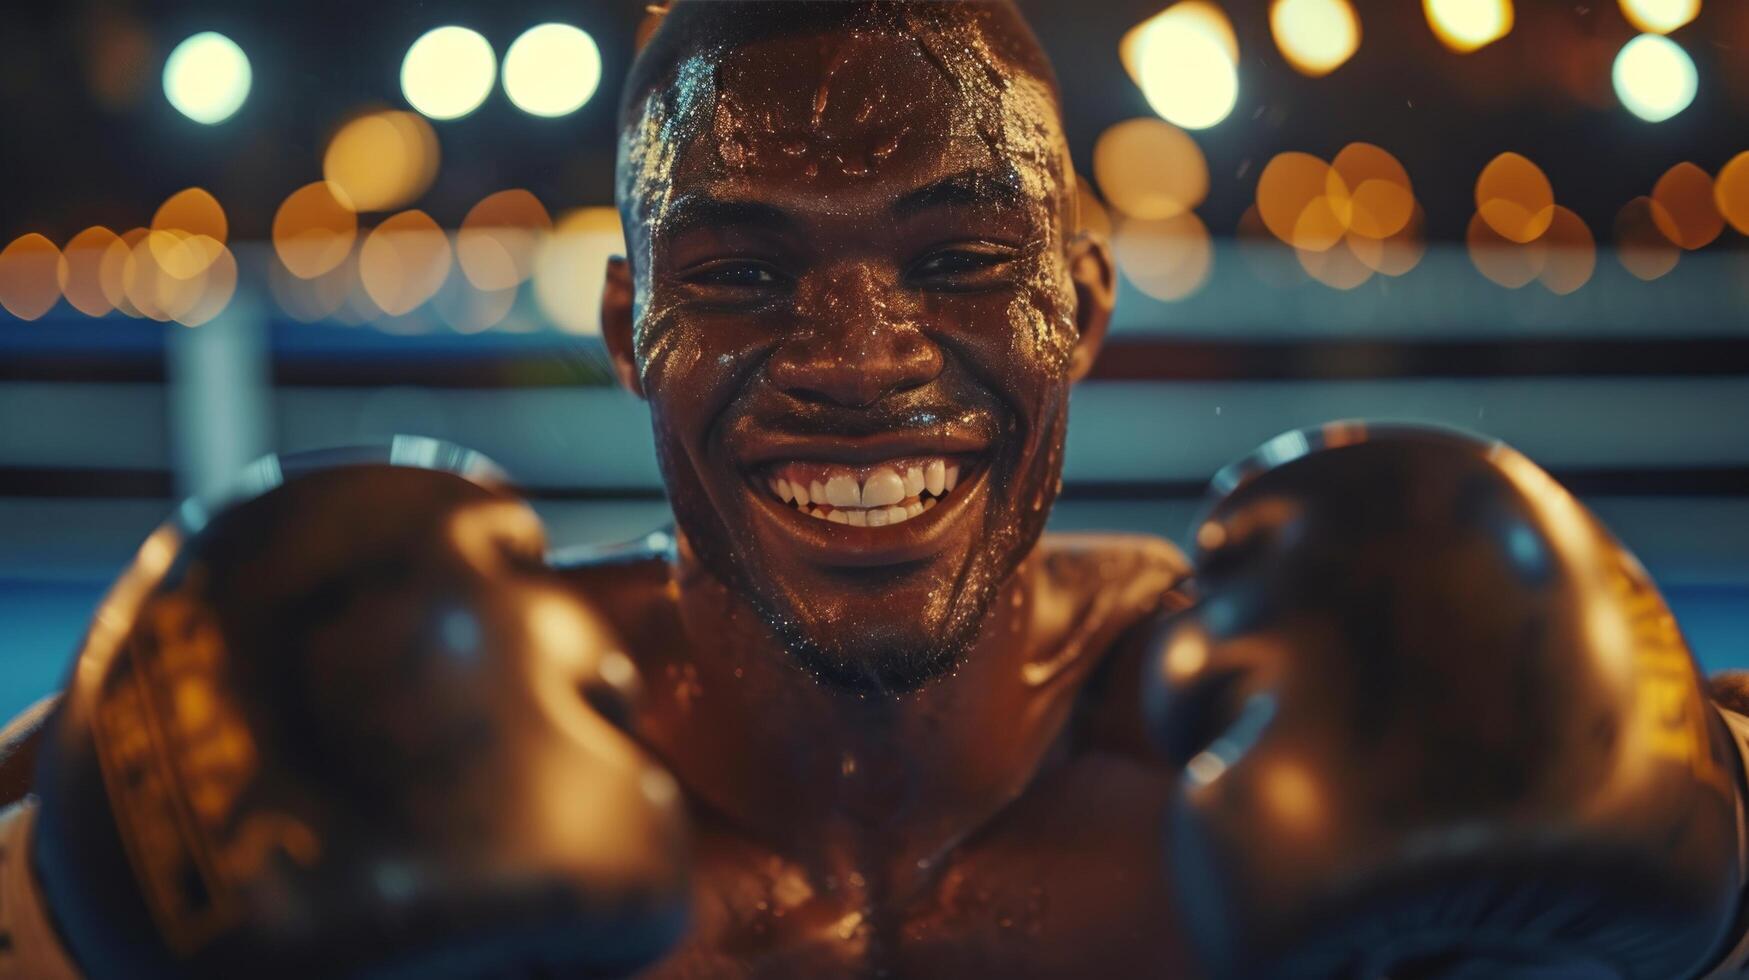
[(1654, 77), (448, 72), (552, 70), (207, 77), (1185, 65)]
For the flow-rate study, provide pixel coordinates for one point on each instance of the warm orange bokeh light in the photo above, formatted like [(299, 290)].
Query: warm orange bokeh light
[(29, 276), (218, 285), (404, 262), (164, 288), (1687, 214), (1515, 198), (1508, 263), (570, 270), (1731, 192), (1370, 190), (1150, 169), (111, 271), (1570, 253), (189, 232), (1292, 200), (314, 229), (498, 239), (318, 297), (1167, 259), (1640, 246), (382, 160), (1338, 267), (1395, 254), (81, 271), (1315, 36), (470, 310)]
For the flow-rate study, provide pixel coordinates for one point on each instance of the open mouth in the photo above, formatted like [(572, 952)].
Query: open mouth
[(883, 494)]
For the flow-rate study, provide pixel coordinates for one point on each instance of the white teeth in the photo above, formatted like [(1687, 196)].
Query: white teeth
[(895, 514), (935, 477), (856, 518), (878, 517), (786, 490), (883, 489), (816, 491), (914, 481), (801, 493), (837, 517), (928, 503), (841, 491), (913, 509), (952, 477)]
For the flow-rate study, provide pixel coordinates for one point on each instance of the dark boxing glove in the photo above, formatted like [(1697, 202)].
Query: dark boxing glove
[(347, 726), (1435, 722)]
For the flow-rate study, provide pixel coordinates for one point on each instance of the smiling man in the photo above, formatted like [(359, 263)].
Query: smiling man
[(1418, 716)]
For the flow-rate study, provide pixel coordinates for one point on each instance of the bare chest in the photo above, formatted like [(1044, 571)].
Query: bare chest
[(1068, 882)]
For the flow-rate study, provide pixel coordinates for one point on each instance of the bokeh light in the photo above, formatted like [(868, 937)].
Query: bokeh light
[(448, 72), (29, 276), (1660, 16), (1570, 253), (218, 285), (1337, 266), (571, 266), (1370, 190), (314, 229), (191, 232), (498, 238), (404, 261), (1515, 198), (112, 269), (1185, 61), (81, 270), (1167, 259), (1150, 169), (467, 309), (165, 273), (207, 77), (552, 69), (1395, 254), (1731, 192), (1654, 78), (1641, 248), (1467, 25), (319, 297), (1687, 214), (1506, 261), (382, 160), (1295, 203), (1315, 36)]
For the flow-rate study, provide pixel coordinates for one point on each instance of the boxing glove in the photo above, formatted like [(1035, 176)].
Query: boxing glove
[(348, 724), (1433, 721)]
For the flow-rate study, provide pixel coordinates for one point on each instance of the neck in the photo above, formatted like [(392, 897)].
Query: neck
[(827, 776)]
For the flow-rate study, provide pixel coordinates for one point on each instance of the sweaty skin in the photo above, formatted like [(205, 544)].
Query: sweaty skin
[(909, 750)]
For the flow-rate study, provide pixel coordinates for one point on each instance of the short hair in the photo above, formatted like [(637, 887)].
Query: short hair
[(691, 26)]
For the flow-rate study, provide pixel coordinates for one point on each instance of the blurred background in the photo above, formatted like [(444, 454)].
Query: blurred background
[(231, 228)]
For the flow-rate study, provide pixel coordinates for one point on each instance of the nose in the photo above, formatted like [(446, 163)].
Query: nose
[(858, 345)]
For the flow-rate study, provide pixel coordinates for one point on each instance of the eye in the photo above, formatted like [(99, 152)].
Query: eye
[(963, 266), (736, 274)]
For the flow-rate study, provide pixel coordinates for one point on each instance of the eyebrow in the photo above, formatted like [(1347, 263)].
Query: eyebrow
[(969, 188), (697, 210)]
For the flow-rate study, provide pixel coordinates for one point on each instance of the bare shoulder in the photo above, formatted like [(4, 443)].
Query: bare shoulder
[(631, 584), (1130, 582)]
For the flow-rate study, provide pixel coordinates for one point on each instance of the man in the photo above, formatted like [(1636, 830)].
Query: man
[(907, 726)]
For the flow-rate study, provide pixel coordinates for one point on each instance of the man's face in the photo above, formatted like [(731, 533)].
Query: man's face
[(855, 324)]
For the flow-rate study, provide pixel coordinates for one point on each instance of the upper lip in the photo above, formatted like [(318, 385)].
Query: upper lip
[(942, 439)]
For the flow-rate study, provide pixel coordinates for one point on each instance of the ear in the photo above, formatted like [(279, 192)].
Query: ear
[(1095, 279), (616, 323)]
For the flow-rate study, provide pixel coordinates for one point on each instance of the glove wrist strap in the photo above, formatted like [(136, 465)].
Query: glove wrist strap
[(29, 948)]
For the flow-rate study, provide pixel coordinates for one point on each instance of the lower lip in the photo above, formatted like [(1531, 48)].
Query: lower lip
[(846, 545)]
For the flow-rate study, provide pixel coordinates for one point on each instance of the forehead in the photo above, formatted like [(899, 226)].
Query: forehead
[(864, 116)]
